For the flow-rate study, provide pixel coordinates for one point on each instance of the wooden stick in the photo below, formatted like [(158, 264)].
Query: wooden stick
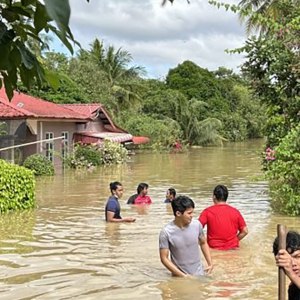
[(281, 233)]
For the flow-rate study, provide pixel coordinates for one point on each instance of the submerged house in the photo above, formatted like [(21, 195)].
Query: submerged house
[(51, 129)]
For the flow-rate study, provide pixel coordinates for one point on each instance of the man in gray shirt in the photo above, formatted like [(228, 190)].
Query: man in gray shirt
[(180, 240)]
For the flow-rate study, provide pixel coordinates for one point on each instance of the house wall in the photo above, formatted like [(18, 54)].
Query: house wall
[(57, 128), (30, 149), (92, 126)]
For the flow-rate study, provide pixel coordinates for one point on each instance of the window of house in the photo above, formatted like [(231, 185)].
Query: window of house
[(65, 143), (49, 145)]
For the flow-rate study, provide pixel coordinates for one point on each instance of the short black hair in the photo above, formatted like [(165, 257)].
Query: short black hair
[(141, 187), (221, 192), (172, 192), (292, 242), (181, 204), (114, 185)]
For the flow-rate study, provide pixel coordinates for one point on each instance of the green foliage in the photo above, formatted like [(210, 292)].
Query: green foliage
[(20, 22), (39, 164), (2, 128), (106, 152), (112, 153), (193, 81), (17, 187), (84, 156), (163, 132), (284, 174), (220, 96), (273, 66)]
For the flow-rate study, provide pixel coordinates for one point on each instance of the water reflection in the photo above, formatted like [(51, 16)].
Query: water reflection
[(65, 250)]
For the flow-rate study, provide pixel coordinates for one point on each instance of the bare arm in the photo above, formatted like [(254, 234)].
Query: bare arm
[(110, 218), (284, 259), (206, 252), (242, 233), (164, 258)]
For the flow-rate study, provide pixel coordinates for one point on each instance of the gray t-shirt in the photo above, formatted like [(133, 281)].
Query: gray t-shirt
[(184, 246)]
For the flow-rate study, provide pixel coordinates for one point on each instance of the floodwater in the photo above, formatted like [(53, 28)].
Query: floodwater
[(65, 250)]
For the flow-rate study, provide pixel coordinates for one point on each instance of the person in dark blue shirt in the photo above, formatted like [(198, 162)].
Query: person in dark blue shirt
[(171, 194), (113, 209)]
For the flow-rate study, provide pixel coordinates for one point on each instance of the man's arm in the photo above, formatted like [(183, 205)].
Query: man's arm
[(284, 259), (206, 252), (110, 218), (242, 233), (164, 258)]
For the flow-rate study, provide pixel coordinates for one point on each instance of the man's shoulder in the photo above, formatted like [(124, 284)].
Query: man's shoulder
[(196, 224), (169, 227), (112, 198)]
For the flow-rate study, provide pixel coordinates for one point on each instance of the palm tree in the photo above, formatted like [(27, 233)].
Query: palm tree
[(270, 9), (122, 79)]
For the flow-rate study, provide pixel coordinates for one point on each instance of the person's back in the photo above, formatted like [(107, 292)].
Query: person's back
[(132, 198), (225, 224)]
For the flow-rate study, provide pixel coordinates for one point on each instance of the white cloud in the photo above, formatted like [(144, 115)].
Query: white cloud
[(161, 37)]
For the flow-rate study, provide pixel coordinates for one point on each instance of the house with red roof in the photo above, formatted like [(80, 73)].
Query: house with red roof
[(51, 129)]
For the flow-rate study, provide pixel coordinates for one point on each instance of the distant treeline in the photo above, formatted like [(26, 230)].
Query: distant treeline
[(192, 105)]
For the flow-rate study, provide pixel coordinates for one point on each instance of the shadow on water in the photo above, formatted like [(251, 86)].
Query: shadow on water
[(65, 250)]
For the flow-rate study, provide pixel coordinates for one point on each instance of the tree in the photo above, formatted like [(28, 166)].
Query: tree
[(23, 20), (260, 9), (123, 81)]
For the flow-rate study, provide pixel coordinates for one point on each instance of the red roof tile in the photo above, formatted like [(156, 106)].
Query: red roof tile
[(41, 108), (86, 109), (8, 110)]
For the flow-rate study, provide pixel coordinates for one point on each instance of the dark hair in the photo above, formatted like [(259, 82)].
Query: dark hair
[(172, 192), (292, 242), (221, 192), (114, 185), (181, 204), (141, 187)]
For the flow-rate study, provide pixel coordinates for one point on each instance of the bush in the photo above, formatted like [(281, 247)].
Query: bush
[(283, 171), (17, 187), (112, 153), (106, 152), (162, 133), (39, 164), (88, 154)]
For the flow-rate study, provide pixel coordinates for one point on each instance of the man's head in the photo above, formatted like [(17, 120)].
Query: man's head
[(142, 189), (293, 248), (183, 208), (220, 193), (171, 194), (116, 189), (292, 243)]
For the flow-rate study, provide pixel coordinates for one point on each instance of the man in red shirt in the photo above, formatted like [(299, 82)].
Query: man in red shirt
[(225, 224)]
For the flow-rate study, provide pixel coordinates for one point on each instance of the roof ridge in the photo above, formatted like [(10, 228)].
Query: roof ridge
[(79, 104)]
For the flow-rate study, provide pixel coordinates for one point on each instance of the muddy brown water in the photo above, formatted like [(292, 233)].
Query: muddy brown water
[(65, 250)]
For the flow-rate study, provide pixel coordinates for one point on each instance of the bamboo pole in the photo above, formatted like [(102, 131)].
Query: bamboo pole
[(32, 143), (281, 233)]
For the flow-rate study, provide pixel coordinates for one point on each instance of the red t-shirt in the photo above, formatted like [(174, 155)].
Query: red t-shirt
[(223, 223), (143, 200)]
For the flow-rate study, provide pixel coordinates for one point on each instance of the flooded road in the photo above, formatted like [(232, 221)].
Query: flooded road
[(65, 250)]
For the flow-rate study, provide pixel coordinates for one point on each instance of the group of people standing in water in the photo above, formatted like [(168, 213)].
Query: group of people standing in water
[(179, 240)]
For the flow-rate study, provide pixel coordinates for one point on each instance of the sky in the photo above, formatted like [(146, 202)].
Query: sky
[(160, 38)]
